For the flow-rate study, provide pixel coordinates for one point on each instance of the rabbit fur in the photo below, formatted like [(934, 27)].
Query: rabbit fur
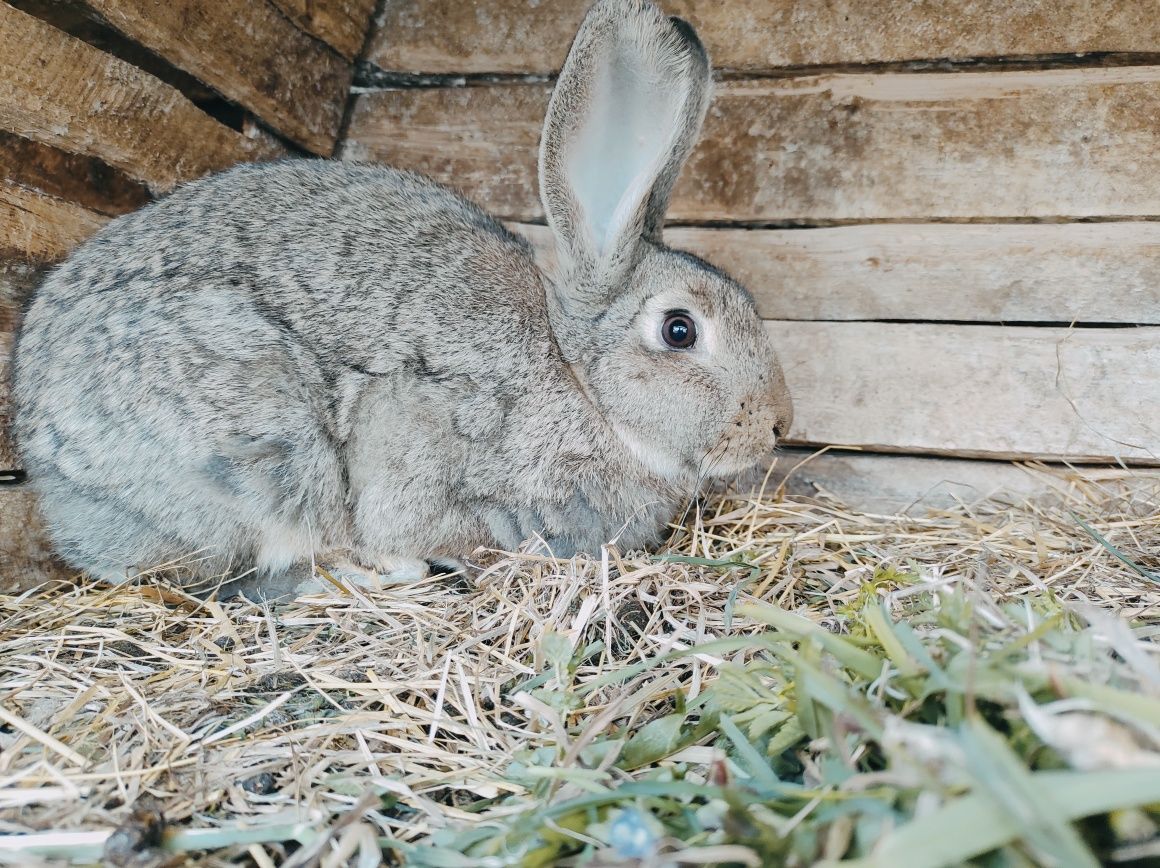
[(309, 358)]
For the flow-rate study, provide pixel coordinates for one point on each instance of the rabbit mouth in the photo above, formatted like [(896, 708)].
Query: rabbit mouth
[(735, 465), (730, 458), (749, 440)]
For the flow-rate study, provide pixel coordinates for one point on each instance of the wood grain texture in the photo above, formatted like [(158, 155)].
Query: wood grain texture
[(34, 226), (73, 177), (983, 391), (521, 36), (481, 140), (250, 53), (87, 26), (61, 92), (341, 24), (1016, 273), (891, 484), (952, 146)]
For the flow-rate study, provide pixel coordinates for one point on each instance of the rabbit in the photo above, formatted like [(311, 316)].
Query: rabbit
[(311, 358)]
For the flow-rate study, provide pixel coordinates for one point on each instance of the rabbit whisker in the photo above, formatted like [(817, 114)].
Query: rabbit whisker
[(704, 468)]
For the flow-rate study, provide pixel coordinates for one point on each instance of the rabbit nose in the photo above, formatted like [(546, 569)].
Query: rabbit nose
[(783, 420)]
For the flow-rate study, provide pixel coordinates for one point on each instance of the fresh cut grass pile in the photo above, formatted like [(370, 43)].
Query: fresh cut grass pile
[(790, 682)]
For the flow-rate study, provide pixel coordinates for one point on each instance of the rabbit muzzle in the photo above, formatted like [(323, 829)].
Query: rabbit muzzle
[(751, 436)]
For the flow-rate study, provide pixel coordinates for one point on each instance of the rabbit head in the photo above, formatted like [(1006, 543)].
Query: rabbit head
[(670, 349)]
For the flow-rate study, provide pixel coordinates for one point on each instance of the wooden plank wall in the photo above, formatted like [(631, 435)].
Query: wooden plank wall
[(105, 104), (947, 212)]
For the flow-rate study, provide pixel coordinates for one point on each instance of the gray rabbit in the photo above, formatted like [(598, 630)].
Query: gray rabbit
[(316, 359)]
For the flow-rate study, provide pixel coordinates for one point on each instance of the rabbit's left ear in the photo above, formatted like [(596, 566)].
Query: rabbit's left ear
[(623, 118)]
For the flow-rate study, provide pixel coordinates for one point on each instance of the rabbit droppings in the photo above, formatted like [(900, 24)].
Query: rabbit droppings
[(316, 359)]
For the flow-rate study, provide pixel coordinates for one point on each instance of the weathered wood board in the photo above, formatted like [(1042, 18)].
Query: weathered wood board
[(41, 227), (1016, 273), (75, 178), (86, 25), (481, 140), (984, 391), (249, 52), (520, 36), (892, 484), (61, 92), (945, 146), (341, 24)]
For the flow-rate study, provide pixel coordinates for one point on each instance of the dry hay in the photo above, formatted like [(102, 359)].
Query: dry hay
[(422, 695)]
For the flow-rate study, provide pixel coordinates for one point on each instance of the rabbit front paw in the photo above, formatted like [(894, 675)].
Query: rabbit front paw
[(382, 574)]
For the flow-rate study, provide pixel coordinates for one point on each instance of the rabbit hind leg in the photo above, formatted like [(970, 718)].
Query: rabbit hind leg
[(96, 532)]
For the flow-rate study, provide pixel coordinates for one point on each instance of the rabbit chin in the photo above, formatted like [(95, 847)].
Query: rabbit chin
[(722, 462), (735, 465), (676, 469), (656, 461)]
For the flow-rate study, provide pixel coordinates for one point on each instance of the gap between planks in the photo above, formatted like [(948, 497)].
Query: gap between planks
[(369, 77)]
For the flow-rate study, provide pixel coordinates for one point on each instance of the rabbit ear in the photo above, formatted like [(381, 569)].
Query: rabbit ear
[(625, 113)]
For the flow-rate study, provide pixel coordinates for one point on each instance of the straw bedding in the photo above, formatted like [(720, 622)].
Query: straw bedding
[(352, 725)]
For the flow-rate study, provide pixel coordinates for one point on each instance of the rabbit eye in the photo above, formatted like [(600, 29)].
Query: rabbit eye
[(679, 331)]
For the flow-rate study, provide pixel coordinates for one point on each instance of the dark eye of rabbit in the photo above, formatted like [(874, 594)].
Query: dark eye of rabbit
[(679, 330)]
